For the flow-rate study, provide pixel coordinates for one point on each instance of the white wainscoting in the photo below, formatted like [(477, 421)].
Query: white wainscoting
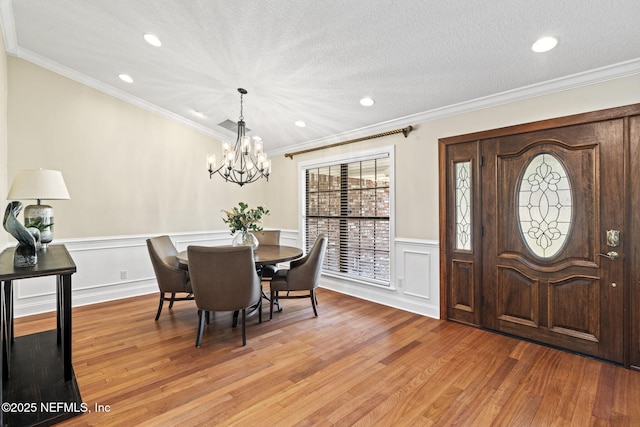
[(415, 284), (110, 268)]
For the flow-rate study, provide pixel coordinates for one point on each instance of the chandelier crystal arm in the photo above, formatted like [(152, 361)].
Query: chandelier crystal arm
[(244, 164)]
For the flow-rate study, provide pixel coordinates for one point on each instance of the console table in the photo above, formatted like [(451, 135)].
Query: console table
[(36, 368)]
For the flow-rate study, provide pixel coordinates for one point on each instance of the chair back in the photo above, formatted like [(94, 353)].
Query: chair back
[(268, 237), (170, 277), (223, 278), (305, 273)]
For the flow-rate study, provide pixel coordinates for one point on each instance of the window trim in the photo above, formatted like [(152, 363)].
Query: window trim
[(358, 156)]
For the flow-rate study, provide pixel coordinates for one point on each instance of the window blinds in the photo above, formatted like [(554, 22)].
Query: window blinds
[(350, 203)]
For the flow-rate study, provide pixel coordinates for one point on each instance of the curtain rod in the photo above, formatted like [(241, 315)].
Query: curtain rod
[(404, 131)]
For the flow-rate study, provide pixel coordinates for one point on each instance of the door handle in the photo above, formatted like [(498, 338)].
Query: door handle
[(610, 255)]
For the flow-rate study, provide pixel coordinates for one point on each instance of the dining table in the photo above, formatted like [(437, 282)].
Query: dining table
[(262, 255)]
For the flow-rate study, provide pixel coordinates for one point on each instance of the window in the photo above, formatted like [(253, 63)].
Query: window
[(463, 205), (349, 200), (545, 205)]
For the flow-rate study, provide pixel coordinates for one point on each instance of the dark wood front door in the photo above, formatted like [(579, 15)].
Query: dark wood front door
[(548, 200)]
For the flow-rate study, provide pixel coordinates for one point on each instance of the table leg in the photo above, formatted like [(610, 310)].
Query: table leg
[(58, 310), (8, 303), (6, 353), (264, 294), (65, 296)]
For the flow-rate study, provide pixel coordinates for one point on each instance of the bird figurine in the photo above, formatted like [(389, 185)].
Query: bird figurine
[(25, 254)]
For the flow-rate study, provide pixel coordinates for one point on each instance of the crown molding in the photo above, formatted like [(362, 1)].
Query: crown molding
[(611, 72)]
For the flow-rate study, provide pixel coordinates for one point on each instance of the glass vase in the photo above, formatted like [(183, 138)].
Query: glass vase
[(245, 238)]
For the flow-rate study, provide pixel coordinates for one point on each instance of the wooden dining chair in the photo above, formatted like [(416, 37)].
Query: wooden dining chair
[(224, 278), (303, 275), (170, 277)]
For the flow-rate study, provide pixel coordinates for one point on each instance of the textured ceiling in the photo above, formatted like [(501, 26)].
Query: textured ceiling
[(313, 60)]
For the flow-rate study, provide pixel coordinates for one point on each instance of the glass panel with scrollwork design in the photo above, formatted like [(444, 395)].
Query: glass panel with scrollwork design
[(462, 172), (545, 205)]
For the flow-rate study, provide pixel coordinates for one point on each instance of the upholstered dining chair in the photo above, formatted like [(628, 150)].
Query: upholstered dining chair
[(268, 237), (224, 278), (170, 277), (303, 275)]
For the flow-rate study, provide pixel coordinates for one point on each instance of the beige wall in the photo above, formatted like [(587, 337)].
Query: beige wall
[(130, 171), (3, 136)]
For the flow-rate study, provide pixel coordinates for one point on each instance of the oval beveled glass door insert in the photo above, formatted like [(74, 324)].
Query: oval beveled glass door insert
[(545, 205)]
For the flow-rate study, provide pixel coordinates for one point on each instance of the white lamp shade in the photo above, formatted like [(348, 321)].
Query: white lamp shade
[(38, 184)]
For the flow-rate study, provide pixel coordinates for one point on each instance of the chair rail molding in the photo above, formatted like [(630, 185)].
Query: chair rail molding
[(108, 268), (111, 268)]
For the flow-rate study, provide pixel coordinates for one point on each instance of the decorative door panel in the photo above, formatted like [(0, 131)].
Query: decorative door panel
[(517, 297), (548, 199), (462, 295), (583, 291)]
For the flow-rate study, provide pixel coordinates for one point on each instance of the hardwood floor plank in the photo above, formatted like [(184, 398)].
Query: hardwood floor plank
[(604, 393), (523, 383), (556, 403), (624, 406), (379, 383), (411, 400), (585, 394), (358, 363)]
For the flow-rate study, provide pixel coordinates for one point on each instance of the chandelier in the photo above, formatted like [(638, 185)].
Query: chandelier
[(244, 164)]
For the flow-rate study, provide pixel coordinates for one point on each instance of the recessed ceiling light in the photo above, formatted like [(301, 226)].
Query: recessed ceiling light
[(152, 39), (199, 114), (125, 78), (544, 44), (367, 102), (300, 124)]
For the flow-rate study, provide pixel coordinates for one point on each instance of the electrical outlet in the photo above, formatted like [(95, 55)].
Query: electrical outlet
[(400, 282), (123, 274)]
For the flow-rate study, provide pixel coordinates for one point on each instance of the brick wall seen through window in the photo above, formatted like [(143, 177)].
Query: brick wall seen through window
[(350, 203)]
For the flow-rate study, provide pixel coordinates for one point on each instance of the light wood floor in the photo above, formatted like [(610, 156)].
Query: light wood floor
[(359, 363)]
